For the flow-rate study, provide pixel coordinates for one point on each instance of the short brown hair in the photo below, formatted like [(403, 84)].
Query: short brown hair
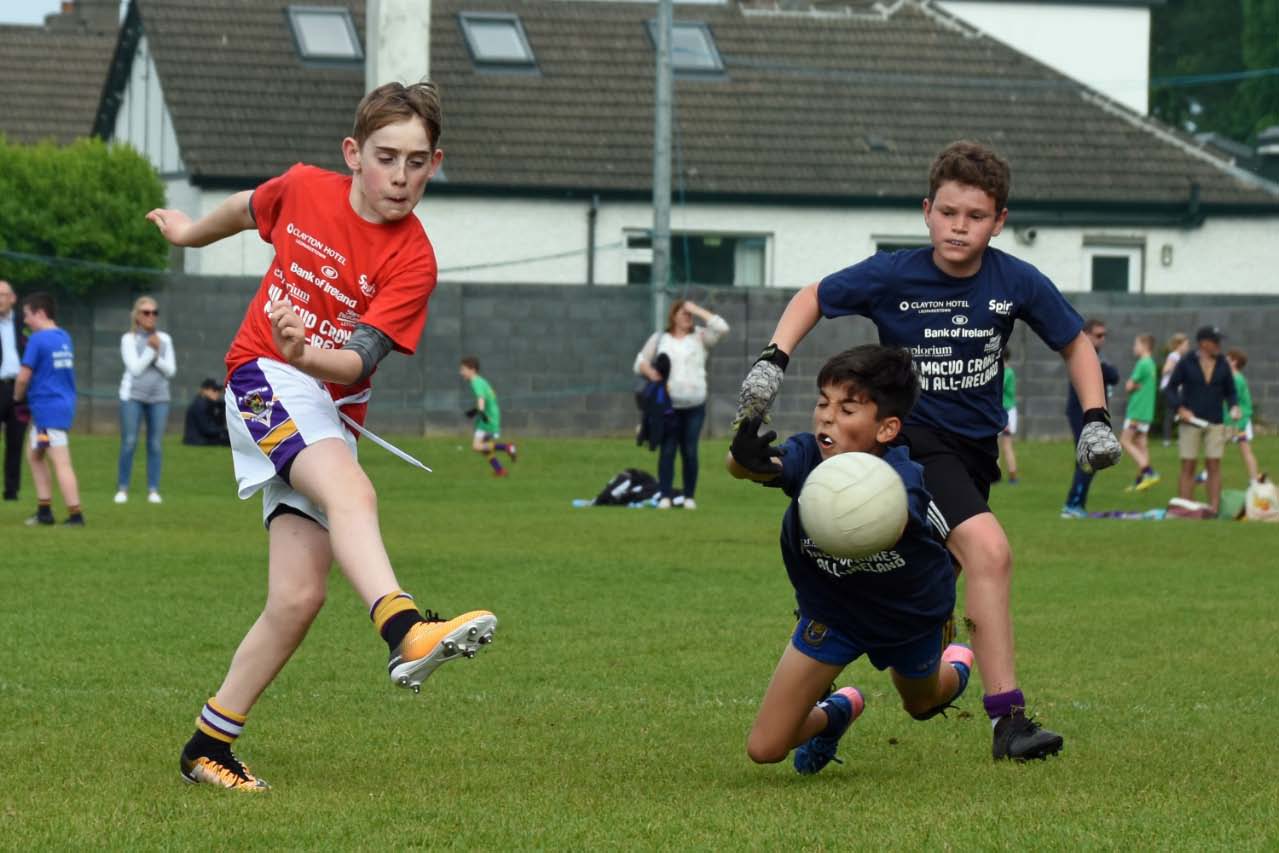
[(1239, 357), (1147, 341), (41, 301), (973, 164), (471, 362), (393, 102)]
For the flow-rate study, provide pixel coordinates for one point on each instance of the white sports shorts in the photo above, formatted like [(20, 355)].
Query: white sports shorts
[(43, 439), (1011, 428), (1136, 426), (273, 411)]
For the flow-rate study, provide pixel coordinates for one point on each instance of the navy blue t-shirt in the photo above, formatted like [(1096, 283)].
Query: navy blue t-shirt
[(51, 394), (887, 599), (955, 328)]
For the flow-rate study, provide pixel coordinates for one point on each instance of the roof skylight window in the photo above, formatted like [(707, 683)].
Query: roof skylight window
[(496, 39), (324, 33), (692, 47)]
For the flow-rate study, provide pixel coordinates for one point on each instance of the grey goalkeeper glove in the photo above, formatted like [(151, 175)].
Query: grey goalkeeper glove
[(761, 385), (1098, 448)]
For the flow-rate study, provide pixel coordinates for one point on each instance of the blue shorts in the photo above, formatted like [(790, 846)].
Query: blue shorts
[(917, 659)]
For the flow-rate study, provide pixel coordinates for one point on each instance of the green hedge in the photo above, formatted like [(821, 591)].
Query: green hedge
[(72, 216)]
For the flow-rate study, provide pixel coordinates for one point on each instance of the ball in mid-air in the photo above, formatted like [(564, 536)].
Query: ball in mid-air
[(853, 505)]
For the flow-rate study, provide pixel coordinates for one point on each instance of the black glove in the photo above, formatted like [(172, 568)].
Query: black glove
[(752, 451), (470, 413)]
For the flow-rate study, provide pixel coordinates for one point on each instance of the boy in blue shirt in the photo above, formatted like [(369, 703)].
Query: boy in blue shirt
[(953, 305), (46, 380), (893, 606)]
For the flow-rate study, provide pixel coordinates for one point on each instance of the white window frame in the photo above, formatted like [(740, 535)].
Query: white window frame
[(716, 67), (644, 254), (1133, 251), (466, 19)]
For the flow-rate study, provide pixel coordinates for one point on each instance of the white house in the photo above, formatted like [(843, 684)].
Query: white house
[(803, 133)]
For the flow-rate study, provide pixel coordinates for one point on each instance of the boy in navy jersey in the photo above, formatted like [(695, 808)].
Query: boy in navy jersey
[(953, 305), (893, 606)]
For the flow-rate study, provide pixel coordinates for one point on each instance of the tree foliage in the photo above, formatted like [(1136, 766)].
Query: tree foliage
[(1188, 38), (72, 216), (1259, 97)]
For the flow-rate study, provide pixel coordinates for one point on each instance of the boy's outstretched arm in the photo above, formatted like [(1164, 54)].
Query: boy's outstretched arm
[(765, 378), (232, 216), (1098, 448)]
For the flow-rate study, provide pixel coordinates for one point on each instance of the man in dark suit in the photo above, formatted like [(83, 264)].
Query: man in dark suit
[(13, 416)]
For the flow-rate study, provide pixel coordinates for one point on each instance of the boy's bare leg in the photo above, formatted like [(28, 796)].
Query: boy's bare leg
[(60, 457), (1008, 455), (1249, 460), (1140, 449), (920, 695), (328, 474), (982, 550), (40, 475), (299, 563), (788, 715)]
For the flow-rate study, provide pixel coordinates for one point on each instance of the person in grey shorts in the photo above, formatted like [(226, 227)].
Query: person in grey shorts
[(149, 363), (1201, 388)]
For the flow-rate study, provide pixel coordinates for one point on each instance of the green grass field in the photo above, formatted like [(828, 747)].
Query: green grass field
[(633, 649)]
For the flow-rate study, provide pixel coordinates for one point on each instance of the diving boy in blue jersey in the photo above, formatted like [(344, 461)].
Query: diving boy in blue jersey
[(952, 305), (893, 606)]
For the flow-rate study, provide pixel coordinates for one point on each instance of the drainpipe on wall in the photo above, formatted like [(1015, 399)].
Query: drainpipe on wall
[(397, 42), (592, 215)]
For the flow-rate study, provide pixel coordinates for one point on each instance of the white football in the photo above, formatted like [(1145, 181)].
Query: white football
[(853, 505)]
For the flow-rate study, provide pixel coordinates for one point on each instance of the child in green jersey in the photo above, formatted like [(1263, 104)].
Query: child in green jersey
[(1142, 390), (1006, 454), (488, 417), (1242, 427)]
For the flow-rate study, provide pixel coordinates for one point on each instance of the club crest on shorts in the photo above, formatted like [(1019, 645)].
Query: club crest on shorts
[(815, 633), (254, 407)]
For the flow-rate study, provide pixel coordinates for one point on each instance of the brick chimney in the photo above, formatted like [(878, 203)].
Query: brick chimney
[(85, 16)]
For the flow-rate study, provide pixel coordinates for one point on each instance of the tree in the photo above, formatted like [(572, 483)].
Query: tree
[(1258, 97), (1193, 38), (72, 216)]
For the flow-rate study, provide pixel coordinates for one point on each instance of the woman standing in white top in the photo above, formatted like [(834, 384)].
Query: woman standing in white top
[(1178, 345), (149, 363), (685, 344)]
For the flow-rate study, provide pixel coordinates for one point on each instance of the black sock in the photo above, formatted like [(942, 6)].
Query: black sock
[(398, 625), (201, 744)]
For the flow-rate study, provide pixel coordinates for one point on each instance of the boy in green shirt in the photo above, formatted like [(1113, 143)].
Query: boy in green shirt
[(1006, 453), (1242, 427), (1142, 387), (488, 417)]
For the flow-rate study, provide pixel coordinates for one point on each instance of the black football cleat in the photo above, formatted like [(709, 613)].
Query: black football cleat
[(1020, 738)]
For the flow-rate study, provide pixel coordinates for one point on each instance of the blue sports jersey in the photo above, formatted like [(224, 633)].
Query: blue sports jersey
[(887, 599), (51, 394), (955, 328)]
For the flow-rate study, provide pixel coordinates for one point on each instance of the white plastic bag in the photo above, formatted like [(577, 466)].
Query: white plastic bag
[(1262, 502)]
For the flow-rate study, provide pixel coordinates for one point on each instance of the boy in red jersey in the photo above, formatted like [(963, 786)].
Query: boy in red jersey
[(352, 273)]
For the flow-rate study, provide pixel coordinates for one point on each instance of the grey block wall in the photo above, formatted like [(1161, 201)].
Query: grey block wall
[(560, 356)]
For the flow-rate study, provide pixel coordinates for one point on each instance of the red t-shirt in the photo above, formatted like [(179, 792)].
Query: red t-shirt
[(337, 269)]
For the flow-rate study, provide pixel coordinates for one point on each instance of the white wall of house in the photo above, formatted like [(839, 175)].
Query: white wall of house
[(1105, 47), (143, 120), (516, 241)]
